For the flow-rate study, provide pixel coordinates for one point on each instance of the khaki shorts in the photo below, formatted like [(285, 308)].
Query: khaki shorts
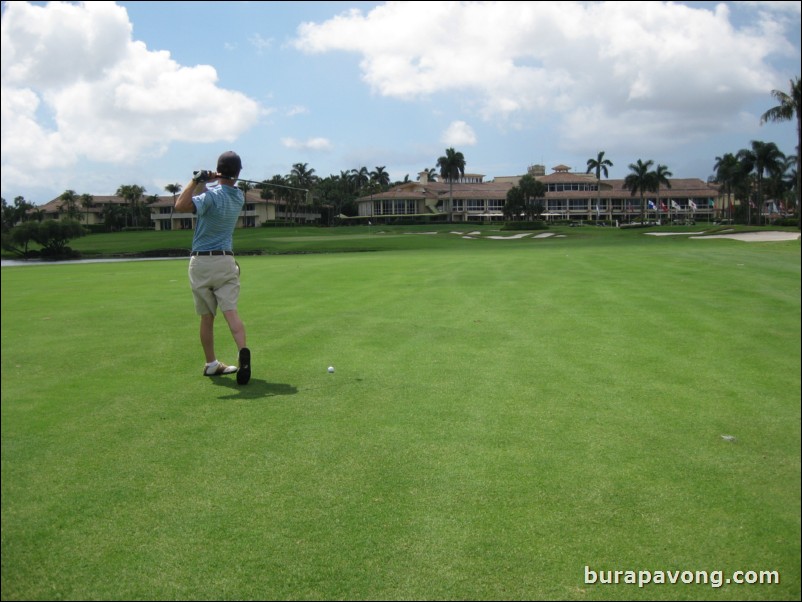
[(214, 280)]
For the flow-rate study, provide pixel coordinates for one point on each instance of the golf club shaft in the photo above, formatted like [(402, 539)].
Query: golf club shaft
[(263, 183), (215, 176)]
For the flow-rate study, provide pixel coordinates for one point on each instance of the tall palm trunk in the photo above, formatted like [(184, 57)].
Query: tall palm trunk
[(450, 200)]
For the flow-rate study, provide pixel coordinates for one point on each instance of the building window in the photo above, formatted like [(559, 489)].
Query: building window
[(572, 187), (404, 207), (393, 207)]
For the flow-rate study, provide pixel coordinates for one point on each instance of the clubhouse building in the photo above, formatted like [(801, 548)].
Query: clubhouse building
[(255, 212), (569, 196)]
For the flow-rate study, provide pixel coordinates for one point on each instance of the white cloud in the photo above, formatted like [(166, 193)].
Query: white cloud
[(296, 110), (459, 133), (656, 67), (312, 144), (76, 86), (261, 44)]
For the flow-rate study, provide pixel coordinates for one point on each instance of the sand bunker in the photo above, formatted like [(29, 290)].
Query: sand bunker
[(755, 236), (511, 237), (745, 236)]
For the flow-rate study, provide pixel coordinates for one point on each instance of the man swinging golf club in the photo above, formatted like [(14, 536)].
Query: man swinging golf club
[(213, 271)]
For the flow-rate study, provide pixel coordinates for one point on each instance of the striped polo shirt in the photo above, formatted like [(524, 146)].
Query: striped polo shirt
[(217, 209)]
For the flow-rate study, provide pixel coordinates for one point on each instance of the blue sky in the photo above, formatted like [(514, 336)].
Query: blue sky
[(100, 94)]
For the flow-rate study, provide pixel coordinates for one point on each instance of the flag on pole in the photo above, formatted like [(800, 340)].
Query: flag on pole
[(652, 206), (691, 204), (663, 206), (674, 204)]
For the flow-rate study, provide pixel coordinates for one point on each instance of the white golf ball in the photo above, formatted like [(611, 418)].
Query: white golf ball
[(331, 368)]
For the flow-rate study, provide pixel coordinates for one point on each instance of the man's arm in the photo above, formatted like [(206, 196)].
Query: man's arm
[(184, 203)]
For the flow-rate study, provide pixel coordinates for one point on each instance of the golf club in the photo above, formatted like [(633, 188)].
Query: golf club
[(262, 183)]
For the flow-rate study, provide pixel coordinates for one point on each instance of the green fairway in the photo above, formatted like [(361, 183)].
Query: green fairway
[(503, 415)]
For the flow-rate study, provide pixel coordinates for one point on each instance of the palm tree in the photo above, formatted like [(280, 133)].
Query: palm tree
[(113, 217), (347, 178), (380, 176), (361, 177), (640, 180), (661, 175), (790, 105), (304, 177), (301, 177), (277, 188), (87, 202), (451, 165), (244, 187), (173, 189), (599, 165), (746, 165), (70, 203), (762, 157), (533, 190), (131, 193), (514, 204), (779, 186), (791, 179), (727, 173)]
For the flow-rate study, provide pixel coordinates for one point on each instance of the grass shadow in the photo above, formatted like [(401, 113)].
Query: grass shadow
[(255, 389)]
